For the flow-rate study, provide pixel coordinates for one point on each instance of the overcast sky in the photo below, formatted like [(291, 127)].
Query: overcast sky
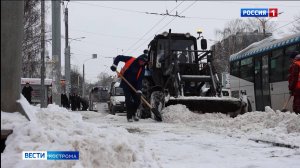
[(111, 28)]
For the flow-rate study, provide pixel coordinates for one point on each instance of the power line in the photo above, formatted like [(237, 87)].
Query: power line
[(167, 23), (285, 25), (151, 28), (166, 14), (108, 7), (102, 34), (280, 5), (202, 18)]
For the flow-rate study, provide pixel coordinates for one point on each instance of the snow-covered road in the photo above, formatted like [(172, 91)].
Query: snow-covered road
[(189, 145), (183, 140)]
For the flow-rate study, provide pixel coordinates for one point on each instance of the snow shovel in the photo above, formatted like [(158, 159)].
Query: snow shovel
[(154, 111), (286, 103)]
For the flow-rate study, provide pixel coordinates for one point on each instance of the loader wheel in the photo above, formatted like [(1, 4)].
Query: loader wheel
[(157, 101)]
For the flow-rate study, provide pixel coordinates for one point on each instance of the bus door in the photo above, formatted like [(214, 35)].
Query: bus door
[(261, 83)]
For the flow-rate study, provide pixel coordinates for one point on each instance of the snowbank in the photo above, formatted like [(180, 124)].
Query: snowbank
[(268, 125), (56, 128)]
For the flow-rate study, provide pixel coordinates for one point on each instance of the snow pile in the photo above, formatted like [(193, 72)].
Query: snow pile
[(181, 114), (178, 114), (268, 125), (56, 129)]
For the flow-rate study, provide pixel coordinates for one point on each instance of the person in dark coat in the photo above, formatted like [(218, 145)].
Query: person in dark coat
[(84, 103), (77, 102), (64, 100), (133, 71), (73, 102), (294, 81), (27, 91)]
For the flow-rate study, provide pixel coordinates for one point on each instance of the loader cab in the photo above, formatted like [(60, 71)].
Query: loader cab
[(181, 53), (161, 54)]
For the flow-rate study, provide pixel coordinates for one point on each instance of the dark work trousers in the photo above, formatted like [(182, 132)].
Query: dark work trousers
[(132, 102)]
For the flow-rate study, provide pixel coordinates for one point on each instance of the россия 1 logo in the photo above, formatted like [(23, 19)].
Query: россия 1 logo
[(259, 12)]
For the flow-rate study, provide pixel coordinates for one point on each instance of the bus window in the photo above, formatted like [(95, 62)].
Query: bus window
[(276, 66), (247, 69), (234, 68)]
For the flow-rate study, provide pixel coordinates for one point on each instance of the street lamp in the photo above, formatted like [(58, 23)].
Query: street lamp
[(94, 56), (76, 39)]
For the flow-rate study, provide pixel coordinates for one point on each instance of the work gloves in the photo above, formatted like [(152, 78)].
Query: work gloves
[(113, 67), (139, 93)]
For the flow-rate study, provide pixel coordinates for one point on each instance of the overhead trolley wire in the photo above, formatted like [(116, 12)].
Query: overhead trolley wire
[(108, 7), (167, 24), (285, 25), (151, 29)]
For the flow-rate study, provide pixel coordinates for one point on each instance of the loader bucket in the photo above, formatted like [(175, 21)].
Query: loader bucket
[(231, 106)]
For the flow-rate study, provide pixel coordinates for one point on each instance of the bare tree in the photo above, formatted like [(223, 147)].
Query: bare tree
[(233, 27), (76, 81), (296, 25), (236, 26), (104, 79), (237, 35), (262, 25), (31, 42)]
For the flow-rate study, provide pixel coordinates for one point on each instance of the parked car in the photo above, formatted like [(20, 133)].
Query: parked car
[(116, 101)]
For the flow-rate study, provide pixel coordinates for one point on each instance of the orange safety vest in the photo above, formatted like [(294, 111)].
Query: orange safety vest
[(127, 65), (298, 82)]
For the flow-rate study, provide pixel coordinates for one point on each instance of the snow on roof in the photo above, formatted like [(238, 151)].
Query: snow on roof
[(265, 45)]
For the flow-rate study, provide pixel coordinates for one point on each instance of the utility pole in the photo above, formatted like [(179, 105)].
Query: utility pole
[(94, 56), (83, 85), (67, 54), (56, 52), (12, 28), (43, 104)]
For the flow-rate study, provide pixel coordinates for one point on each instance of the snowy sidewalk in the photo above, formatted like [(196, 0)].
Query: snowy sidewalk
[(192, 141), (184, 139)]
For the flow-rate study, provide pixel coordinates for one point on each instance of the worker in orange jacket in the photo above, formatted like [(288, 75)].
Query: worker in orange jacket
[(133, 71), (294, 81)]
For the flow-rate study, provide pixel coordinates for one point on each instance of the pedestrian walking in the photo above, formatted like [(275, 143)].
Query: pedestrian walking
[(27, 92)]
